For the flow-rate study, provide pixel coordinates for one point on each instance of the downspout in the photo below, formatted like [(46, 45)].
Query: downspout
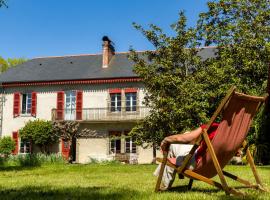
[(2, 99)]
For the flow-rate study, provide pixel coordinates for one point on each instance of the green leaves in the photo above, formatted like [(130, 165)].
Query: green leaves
[(7, 145), (182, 89), (10, 62), (39, 132)]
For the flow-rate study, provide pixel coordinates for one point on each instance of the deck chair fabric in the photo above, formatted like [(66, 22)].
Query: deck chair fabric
[(238, 111), (231, 133)]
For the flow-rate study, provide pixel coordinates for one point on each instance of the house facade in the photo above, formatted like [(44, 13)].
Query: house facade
[(99, 91)]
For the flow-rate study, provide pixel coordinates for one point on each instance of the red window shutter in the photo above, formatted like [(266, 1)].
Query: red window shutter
[(15, 138), (79, 102), (60, 105), (16, 104), (34, 104)]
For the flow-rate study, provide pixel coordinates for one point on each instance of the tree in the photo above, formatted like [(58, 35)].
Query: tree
[(3, 64), (240, 30), (3, 3), (10, 62), (166, 73), (7, 145), (40, 133)]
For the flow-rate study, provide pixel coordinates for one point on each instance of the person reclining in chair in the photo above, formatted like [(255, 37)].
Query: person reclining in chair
[(177, 152)]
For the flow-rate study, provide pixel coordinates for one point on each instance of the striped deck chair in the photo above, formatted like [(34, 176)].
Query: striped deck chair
[(238, 111)]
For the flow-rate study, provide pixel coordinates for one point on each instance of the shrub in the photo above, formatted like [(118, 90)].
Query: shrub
[(40, 133), (31, 160), (7, 145)]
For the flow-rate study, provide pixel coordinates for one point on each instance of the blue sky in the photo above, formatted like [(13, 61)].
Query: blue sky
[(37, 28)]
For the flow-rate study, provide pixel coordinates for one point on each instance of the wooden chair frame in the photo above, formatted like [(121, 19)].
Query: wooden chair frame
[(223, 183)]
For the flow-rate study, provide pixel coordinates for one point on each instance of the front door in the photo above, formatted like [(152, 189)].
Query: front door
[(70, 108), (65, 149)]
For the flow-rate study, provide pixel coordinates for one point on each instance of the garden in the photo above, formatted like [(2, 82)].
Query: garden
[(49, 177)]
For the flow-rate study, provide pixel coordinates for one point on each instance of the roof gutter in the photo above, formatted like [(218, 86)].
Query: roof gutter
[(70, 82)]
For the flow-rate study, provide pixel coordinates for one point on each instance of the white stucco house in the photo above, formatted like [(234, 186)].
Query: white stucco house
[(100, 91)]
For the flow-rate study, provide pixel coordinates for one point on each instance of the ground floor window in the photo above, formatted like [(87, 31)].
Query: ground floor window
[(25, 146), (130, 146), (115, 141)]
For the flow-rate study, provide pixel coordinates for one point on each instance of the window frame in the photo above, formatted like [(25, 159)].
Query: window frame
[(130, 146), (23, 147), (114, 137), (26, 103), (131, 97), (116, 104)]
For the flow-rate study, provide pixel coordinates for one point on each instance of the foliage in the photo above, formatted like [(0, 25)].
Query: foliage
[(7, 145), (10, 62), (26, 160), (240, 31), (166, 73), (3, 3), (40, 133), (3, 64), (68, 130)]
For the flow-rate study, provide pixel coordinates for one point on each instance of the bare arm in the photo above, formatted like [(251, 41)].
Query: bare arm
[(181, 138)]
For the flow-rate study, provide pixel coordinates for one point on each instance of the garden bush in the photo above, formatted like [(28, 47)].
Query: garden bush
[(7, 145)]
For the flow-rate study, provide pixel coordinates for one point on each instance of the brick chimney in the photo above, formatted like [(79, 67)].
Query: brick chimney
[(107, 51)]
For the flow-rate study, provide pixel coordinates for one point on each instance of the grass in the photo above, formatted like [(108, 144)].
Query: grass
[(108, 181)]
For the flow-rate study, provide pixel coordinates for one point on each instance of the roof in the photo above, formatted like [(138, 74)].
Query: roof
[(80, 67)]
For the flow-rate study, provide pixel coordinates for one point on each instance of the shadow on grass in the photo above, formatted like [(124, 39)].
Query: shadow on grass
[(67, 193), (184, 188), (251, 195), (16, 168)]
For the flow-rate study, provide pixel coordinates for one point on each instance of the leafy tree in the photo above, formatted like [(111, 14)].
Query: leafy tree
[(240, 30), (40, 133), (10, 62), (166, 73), (3, 3), (3, 64), (7, 145)]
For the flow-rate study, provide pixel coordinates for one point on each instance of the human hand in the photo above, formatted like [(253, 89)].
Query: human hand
[(164, 145)]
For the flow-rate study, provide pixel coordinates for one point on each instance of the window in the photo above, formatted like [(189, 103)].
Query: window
[(115, 102), (130, 146), (131, 101), (26, 103), (70, 107), (25, 147), (115, 141)]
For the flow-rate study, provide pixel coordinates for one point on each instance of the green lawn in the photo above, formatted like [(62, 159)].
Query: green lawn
[(113, 181)]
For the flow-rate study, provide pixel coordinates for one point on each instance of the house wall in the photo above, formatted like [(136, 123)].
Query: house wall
[(94, 96)]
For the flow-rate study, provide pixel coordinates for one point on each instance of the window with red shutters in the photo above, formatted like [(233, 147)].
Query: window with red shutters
[(16, 104), (15, 138), (34, 104), (79, 102), (60, 105)]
